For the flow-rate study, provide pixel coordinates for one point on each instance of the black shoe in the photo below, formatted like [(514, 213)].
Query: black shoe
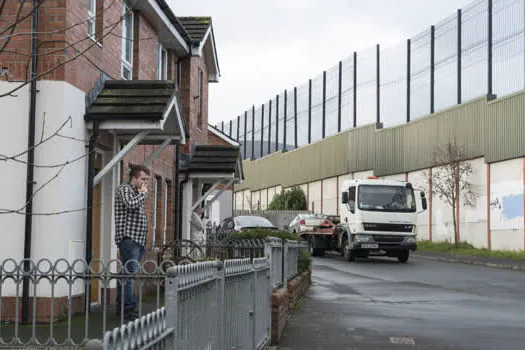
[(131, 315)]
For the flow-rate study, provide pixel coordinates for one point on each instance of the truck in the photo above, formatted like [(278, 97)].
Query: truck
[(377, 218)]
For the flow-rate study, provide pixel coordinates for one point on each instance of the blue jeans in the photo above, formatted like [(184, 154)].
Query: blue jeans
[(129, 250)]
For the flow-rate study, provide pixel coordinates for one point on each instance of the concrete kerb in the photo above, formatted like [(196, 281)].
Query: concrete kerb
[(466, 261)]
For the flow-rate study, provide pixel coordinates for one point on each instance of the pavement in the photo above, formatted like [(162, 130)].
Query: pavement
[(497, 263), (378, 303)]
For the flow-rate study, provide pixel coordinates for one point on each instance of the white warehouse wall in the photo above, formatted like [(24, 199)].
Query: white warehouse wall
[(314, 197), (419, 181), (330, 196), (473, 220), (506, 209)]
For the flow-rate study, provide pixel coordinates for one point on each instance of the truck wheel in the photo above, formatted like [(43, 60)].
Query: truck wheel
[(318, 252), (347, 253), (403, 257)]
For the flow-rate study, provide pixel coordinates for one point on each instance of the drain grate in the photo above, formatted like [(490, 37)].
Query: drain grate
[(402, 340)]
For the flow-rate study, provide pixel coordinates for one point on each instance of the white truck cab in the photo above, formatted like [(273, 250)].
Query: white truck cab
[(378, 217)]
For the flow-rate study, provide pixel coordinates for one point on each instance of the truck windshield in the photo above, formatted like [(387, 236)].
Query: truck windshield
[(386, 198)]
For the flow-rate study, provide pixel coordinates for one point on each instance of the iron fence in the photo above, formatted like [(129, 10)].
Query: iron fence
[(199, 305), (477, 51), (273, 249), (290, 257)]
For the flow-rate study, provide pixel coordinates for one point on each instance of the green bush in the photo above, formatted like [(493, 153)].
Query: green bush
[(292, 199), (304, 261)]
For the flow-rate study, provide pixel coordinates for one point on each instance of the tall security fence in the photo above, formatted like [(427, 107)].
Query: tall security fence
[(477, 51), (212, 303)]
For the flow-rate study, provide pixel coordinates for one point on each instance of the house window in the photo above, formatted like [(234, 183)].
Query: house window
[(92, 17), (127, 41), (163, 64), (200, 88)]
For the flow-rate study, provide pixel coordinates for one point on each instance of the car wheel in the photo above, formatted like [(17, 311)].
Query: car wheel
[(403, 257)]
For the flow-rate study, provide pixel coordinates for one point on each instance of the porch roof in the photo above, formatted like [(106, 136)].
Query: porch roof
[(128, 107), (214, 162)]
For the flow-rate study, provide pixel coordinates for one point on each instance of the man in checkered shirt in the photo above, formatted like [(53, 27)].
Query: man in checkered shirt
[(131, 228)]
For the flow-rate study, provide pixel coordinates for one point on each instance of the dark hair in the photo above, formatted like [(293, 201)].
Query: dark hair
[(136, 169)]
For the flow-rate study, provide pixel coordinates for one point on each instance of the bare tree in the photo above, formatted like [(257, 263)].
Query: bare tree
[(450, 179)]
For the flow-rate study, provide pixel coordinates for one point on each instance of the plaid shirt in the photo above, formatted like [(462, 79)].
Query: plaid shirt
[(130, 217)]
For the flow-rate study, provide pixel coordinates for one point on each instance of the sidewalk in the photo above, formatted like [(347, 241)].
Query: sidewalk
[(497, 263), (77, 328)]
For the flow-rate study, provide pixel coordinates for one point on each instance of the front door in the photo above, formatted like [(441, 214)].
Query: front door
[(97, 203)]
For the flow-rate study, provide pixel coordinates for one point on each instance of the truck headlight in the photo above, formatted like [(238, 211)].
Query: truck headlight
[(363, 238), (411, 240)]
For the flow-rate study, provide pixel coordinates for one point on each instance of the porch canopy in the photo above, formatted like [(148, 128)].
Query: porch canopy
[(137, 112), (209, 169)]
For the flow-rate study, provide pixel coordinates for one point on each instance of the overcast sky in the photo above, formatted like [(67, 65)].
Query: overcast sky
[(267, 46)]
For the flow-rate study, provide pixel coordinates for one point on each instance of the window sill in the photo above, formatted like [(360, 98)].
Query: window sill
[(99, 44)]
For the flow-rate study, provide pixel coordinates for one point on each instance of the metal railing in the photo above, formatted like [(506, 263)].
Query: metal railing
[(273, 249), (208, 307), (83, 295), (291, 256), (201, 305)]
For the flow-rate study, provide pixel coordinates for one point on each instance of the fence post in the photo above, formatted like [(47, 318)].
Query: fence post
[(285, 263), (221, 312), (309, 111), (171, 301), (254, 307)]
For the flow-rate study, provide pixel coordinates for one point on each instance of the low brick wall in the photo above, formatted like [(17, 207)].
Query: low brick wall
[(284, 301), (43, 308)]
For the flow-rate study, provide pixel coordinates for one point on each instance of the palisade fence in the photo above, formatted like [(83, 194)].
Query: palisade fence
[(200, 305), (477, 51)]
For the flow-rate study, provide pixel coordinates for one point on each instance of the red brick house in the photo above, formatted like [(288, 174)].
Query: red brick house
[(90, 87)]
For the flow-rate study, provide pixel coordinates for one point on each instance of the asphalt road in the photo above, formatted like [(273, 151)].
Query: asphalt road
[(379, 303)]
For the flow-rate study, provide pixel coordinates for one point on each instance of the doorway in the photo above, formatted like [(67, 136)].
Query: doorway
[(96, 221)]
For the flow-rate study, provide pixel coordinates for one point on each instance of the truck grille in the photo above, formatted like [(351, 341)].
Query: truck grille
[(388, 227), (388, 239)]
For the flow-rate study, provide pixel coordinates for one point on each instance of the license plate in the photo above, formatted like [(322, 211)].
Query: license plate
[(369, 246)]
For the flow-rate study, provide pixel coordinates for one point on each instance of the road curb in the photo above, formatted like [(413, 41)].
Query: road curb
[(473, 262)]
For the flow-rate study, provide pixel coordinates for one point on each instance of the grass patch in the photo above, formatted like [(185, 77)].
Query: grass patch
[(464, 248)]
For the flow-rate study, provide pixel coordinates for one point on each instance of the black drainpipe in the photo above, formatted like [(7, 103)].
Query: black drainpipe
[(181, 198), (30, 161), (89, 204)]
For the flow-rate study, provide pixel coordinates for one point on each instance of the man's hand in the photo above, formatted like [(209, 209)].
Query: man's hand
[(144, 189)]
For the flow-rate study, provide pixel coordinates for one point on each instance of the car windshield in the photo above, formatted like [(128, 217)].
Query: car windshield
[(386, 198), (252, 221)]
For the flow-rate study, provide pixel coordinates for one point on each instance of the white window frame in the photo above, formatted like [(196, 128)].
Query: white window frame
[(165, 210), (127, 65), (162, 66), (92, 19)]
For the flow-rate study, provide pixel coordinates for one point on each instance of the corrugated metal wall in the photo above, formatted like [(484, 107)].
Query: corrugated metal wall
[(494, 129)]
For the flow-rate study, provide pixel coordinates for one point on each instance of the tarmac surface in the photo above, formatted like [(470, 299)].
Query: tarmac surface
[(378, 303)]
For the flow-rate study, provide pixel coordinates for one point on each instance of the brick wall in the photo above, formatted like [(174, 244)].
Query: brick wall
[(145, 50), (104, 55), (43, 308), (15, 56), (284, 301), (189, 90)]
